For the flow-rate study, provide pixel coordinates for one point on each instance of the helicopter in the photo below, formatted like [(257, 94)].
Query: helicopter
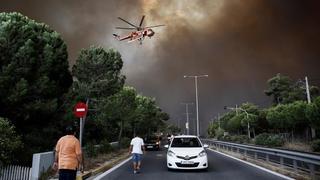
[(139, 32)]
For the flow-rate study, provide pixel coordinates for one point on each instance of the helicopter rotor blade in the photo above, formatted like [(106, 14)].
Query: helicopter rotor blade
[(128, 28), (155, 26), (141, 21), (128, 22)]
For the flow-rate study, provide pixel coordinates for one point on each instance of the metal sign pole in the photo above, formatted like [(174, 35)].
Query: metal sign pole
[(81, 129)]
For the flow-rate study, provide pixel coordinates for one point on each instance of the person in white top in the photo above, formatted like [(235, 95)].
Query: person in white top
[(136, 149)]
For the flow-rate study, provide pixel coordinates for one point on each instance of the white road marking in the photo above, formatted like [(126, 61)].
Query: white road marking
[(256, 166), (112, 169)]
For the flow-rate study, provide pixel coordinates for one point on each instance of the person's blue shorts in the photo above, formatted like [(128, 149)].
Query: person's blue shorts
[(136, 157)]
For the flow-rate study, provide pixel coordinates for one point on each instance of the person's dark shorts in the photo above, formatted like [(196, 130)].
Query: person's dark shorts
[(67, 174), (136, 157)]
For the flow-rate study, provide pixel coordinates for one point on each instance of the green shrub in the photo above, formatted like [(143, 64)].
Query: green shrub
[(124, 142), (261, 139), (269, 140), (226, 138), (90, 150), (240, 139), (315, 145), (105, 147), (219, 133), (275, 141)]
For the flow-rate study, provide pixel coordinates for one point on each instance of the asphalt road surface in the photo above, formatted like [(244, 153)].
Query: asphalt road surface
[(220, 167)]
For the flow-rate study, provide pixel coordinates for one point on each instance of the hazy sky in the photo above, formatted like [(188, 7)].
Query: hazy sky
[(240, 44)]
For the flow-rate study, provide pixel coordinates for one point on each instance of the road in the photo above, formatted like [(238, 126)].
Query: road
[(220, 167)]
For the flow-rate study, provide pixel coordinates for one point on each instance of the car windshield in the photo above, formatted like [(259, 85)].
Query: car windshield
[(185, 142)]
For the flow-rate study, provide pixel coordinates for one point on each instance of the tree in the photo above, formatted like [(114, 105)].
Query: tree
[(314, 92), (100, 71), (251, 118), (213, 127), (120, 108), (297, 114), (173, 129), (224, 120), (278, 117), (34, 76), (262, 125), (234, 124), (9, 141), (149, 116), (313, 113), (283, 89), (97, 74)]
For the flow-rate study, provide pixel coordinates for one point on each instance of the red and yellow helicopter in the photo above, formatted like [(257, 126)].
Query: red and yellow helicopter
[(139, 34)]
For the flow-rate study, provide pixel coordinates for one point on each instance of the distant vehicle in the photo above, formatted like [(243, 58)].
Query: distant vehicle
[(139, 32), (186, 152), (152, 143)]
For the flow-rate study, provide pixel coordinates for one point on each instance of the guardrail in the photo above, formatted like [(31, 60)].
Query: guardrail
[(309, 163)]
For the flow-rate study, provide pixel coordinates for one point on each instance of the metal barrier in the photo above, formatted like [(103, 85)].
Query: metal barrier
[(13, 172), (306, 162)]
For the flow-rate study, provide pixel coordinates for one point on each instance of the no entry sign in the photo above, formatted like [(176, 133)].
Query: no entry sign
[(80, 109)]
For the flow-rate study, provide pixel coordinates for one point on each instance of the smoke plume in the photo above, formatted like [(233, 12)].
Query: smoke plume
[(240, 44)]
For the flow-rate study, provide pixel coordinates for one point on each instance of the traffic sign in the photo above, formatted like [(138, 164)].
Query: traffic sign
[(80, 109)]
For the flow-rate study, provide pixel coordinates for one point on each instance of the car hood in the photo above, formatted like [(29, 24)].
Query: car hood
[(186, 151)]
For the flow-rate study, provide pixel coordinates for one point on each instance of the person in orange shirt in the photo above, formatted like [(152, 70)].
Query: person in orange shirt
[(68, 156)]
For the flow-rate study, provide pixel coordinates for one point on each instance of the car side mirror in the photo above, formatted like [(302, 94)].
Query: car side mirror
[(205, 145), (166, 146)]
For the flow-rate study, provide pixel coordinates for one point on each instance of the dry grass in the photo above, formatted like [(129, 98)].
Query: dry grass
[(101, 159), (298, 146)]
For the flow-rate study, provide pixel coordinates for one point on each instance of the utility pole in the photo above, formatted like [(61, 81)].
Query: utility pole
[(197, 103), (237, 109), (219, 120), (313, 131), (307, 90), (187, 114)]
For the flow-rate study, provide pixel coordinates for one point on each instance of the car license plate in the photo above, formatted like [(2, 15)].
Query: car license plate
[(149, 146), (187, 162)]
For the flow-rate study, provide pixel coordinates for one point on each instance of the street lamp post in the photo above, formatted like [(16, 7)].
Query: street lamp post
[(187, 113), (247, 114), (218, 120), (197, 103)]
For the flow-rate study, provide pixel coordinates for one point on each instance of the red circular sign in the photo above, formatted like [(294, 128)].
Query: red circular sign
[(80, 109)]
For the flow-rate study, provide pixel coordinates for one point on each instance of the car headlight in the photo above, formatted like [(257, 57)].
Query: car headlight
[(202, 153), (170, 153)]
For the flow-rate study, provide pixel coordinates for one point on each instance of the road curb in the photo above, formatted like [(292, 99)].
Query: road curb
[(102, 168)]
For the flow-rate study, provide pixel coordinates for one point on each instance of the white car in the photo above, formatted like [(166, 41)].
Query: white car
[(186, 152)]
